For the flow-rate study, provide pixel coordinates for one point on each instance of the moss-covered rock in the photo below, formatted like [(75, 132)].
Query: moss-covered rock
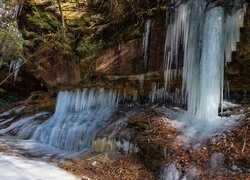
[(65, 54)]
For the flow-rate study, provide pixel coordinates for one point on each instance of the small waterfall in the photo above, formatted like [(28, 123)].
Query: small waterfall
[(146, 43), (15, 67), (141, 78), (78, 117)]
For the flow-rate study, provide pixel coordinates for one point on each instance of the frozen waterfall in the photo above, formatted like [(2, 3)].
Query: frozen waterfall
[(146, 43), (145, 46), (210, 65), (206, 34), (78, 117)]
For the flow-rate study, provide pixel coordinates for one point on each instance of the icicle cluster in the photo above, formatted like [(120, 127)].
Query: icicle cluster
[(78, 117), (146, 42), (15, 67), (204, 33)]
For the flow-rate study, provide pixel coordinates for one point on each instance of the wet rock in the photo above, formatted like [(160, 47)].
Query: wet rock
[(39, 106), (63, 73), (237, 71), (157, 141), (117, 136), (217, 162), (170, 172), (236, 169)]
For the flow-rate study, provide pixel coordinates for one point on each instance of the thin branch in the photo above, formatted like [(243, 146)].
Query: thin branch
[(11, 74), (245, 140), (61, 13), (37, 52)]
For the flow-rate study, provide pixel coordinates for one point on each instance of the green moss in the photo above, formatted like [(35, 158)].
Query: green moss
[(88, 47), (5, 100), (13, 43), (87, 31), (43, 20)]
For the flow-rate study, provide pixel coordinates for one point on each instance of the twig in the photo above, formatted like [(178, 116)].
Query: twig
[(37, 52), (245, 139), (11, 74)]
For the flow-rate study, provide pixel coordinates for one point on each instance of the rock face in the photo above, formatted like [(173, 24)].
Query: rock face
[(63, 73), (127, 59), (47, 51), (107, 44), (94, 42), (121, 60), (21, 88), (238, 70)]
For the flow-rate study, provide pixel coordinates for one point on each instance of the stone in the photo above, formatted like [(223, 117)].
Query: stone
[(217, 162)]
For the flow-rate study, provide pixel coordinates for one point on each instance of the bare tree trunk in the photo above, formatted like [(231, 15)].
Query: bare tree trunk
[(2, 44), (61, 13)]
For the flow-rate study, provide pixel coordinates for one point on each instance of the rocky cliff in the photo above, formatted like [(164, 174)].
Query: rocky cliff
[(97, 39), (238, 70), (100, 43)]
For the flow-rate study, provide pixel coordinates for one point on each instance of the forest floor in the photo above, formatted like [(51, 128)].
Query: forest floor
[(222, 157), (106, 166)]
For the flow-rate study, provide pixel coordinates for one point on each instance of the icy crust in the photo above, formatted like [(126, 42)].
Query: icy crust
[(194, 131), (171, 172), (17, 168), (230, 105), (24, 124), (14, 110)]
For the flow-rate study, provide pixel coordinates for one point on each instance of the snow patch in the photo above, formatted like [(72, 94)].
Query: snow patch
[(17, 168)]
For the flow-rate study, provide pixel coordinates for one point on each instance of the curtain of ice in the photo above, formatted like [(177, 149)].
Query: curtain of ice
[(206, 35), (212, 54), (78, 117)]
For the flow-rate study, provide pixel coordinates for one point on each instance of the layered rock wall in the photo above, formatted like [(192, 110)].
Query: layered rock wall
[(100, 42), (238, 71)]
